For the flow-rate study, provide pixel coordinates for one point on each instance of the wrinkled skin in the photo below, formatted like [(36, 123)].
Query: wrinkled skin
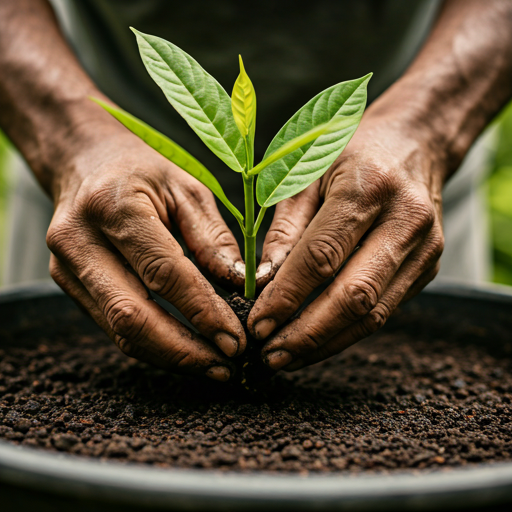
[(117, 202), (380, 196), (383, 194), (111, 243)]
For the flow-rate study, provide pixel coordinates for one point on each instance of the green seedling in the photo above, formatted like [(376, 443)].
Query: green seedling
[(301, 152)]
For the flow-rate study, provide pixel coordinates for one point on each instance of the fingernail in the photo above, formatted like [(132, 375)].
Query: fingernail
[(220, 373), (263, 270), (240, 268), (296, 365), (264, 327), (278, 359), (226, 343)]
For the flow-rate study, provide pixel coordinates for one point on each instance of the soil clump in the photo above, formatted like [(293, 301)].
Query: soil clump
[(393, 402)]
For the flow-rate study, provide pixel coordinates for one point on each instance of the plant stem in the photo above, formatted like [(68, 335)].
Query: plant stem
[(249, 238)]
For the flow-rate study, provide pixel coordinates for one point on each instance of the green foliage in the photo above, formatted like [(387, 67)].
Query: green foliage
[(301, 152), (172, 152), (243, 103), (5, 148), (290, 175), (196, 95), (500, 200)]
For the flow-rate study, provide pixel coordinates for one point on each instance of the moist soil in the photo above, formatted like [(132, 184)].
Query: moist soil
[(392, 402)]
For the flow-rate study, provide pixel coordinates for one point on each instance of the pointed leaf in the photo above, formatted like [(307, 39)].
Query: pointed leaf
[(196, 95), (243, 102), (290, 175), (335, 124), (172, 151)]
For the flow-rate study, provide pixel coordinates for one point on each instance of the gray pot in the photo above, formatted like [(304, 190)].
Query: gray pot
[(39, 481)]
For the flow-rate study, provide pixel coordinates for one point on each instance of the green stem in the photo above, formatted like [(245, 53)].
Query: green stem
[(261, 214), (249, 238)]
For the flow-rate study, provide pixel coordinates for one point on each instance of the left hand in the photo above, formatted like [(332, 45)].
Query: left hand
[(384, 195)]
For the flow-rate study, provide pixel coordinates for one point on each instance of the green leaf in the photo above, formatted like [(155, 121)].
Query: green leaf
[(290, 175), (196, 95), (302, 140), (243, 103), (173, 152)]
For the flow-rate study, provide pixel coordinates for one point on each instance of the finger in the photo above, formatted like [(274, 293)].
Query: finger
[(355, 292), (420, 283), (69, 283), (157, 258), (118, 302), (291, 218), (411, 274), (324, 246), (397, 292), (206, 234)]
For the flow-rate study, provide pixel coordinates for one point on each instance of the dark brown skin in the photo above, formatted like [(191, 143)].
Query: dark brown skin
[(386, 186), (116, 199)]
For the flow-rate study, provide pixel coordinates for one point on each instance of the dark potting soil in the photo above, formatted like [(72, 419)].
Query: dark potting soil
[(392, 402)]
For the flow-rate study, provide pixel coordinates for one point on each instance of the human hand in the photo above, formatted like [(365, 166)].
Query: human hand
[(115, 203), (384, 195)]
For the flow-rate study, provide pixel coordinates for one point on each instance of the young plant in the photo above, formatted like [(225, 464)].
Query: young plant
[(301, 152)]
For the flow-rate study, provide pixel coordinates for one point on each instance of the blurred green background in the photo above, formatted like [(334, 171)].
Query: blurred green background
[(499, 189), (500, 200)]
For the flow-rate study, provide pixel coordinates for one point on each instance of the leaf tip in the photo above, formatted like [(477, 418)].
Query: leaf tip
[(96, 100), (241, 62)]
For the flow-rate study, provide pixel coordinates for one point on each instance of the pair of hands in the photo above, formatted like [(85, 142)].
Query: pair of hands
[(111, 241)]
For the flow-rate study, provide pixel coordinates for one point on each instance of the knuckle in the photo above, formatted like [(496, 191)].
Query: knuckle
[(125, 318), (219, 238), (309, 342), (423, 215), (109, 202), (437, 246), (375, 319), (323, 257), (432, 273), (178, 356), (375, 184), (56, 272), (313, 338), (196, 193), (60, 238), (127, 347), (286, 294), (100, 203), (361, 297), (158, 274), (280, 232)]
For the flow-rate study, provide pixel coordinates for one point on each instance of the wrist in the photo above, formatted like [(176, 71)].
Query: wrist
[(64, 149)]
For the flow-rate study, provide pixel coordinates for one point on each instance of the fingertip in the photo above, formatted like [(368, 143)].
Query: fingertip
[(227, 343), (277, 359), (219, 373), (263, 328)]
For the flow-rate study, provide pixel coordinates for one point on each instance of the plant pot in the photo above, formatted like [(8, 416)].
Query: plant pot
[(37, 480)]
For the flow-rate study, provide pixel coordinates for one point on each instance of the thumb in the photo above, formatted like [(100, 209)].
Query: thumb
[(292, 216), (207, 235)]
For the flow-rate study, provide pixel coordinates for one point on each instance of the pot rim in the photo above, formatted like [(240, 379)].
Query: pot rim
[(132, 483)]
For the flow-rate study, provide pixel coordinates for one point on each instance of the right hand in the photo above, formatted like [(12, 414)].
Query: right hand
[(115, 202)]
